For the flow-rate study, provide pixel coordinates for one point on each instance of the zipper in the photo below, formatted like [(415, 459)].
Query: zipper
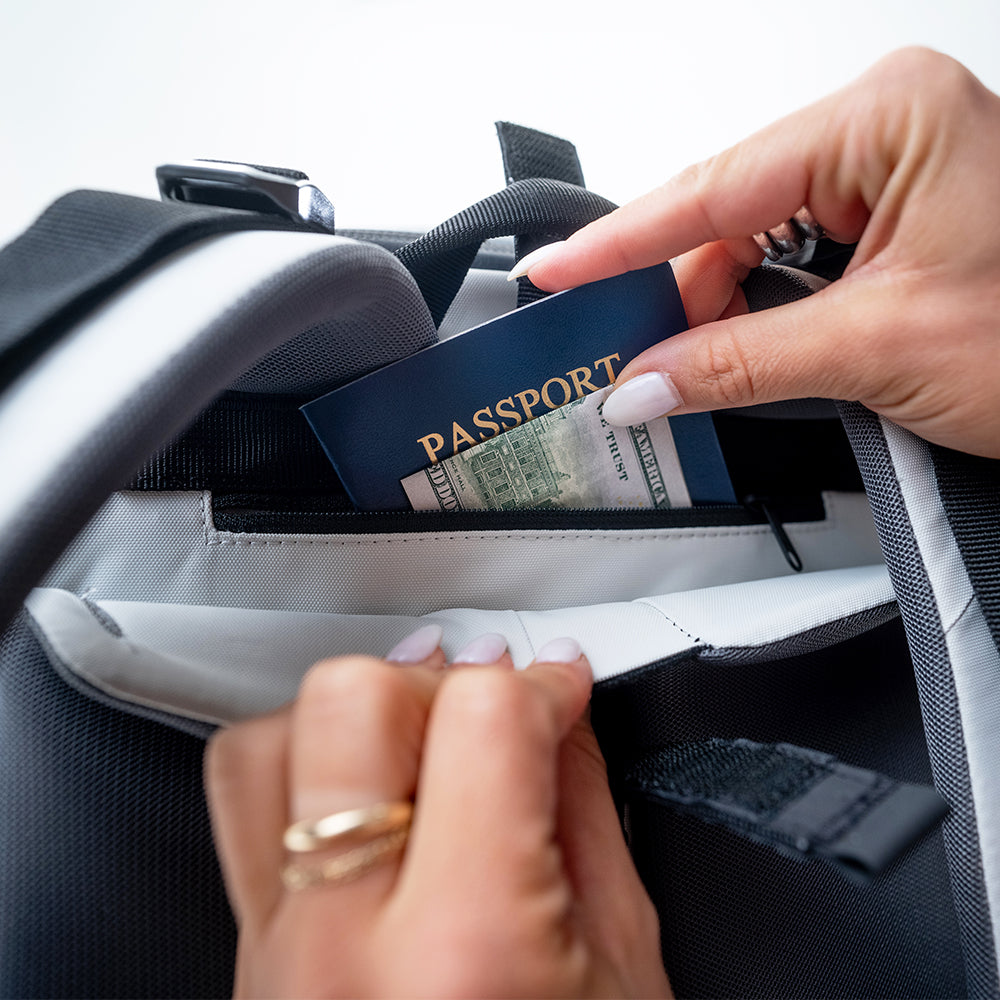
[(242, 513), (766, 507)]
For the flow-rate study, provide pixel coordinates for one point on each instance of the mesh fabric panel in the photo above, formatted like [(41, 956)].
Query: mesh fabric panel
[(740, 919), (390, 323), (767, 287), (107, 872)]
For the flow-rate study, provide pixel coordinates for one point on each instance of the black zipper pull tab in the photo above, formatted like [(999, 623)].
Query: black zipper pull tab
[(762, 505)]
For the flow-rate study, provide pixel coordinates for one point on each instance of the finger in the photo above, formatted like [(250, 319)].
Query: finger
[(356, 739), (612, 903), (597, 857), (709, 279), (808, 158), (485, 821), (489, 649), (420, 648), (857, 339), (246, 785)]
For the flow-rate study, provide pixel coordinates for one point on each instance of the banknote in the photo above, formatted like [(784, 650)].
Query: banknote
[(570, 458)]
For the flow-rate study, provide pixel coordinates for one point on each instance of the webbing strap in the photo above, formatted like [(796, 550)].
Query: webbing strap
[(970, 493), (528, 153), (82, 248), (548, 209), (802, 802)]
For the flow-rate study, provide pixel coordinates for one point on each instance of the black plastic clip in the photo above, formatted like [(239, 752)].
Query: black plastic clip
[(247, 186)]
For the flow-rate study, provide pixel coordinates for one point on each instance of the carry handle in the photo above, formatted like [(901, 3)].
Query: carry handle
[(86, 246), (541, 208)]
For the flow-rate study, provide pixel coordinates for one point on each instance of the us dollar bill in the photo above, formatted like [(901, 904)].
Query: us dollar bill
[(568, 458)]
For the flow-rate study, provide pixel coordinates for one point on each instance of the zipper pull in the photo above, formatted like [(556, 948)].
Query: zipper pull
[(762, 505)]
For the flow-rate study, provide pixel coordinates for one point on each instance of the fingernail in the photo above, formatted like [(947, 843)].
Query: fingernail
[(642, 398), (529, 260), (417, 646), (486, 648), (559, 651)]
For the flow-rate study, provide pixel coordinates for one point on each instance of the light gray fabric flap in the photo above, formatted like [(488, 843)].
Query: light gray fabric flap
[(165, 547), (221, 664)]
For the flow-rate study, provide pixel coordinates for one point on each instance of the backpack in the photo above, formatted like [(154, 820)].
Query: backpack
[(798, 695)]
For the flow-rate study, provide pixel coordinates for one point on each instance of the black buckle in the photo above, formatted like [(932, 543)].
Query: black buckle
[(288, 193)]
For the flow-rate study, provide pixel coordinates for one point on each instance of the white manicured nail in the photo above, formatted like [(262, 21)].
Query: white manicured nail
[(642, 398), (417, 646), (486, 648), (559, 651), (529, 260)]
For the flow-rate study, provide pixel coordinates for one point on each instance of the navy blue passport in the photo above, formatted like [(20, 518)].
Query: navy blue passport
[(445, 398)]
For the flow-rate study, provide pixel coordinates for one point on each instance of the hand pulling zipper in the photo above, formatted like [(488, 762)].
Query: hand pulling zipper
[(763, 506)]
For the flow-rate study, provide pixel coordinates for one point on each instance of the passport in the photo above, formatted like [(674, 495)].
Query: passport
[(415, 412)]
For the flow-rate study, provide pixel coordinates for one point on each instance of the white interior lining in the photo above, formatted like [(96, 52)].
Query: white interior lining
[(164, 547), (221, 664), (484, 295)]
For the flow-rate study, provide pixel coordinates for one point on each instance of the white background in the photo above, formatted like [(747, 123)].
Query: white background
[(389, 104)]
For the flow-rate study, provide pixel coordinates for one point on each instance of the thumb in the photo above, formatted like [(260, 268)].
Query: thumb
[(825, 345)]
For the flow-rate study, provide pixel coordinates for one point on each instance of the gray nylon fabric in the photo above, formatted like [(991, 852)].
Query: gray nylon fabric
[(183, 658), (938, 698), (165, 546), (335, 352), (822, 637)]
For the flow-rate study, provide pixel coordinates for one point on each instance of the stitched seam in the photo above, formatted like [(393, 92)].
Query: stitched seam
[(958, 618), (669, 620), (234, 539), (524, 632), (836, 826), (215, 537)]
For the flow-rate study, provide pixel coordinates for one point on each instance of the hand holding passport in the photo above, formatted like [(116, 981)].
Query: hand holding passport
[(472, 388)]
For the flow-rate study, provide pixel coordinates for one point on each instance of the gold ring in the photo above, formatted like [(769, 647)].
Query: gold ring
[(345, 867), (372, 821)]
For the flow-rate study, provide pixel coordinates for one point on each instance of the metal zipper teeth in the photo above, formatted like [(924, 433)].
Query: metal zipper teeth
[(244, 519)]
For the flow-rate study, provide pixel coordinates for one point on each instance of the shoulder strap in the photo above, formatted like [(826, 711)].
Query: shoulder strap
[(933, 510), (132, 375), (970, 494), (84, 247)]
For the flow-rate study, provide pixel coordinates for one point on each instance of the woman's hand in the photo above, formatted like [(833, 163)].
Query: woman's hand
[(515, 879), (906, 161)]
